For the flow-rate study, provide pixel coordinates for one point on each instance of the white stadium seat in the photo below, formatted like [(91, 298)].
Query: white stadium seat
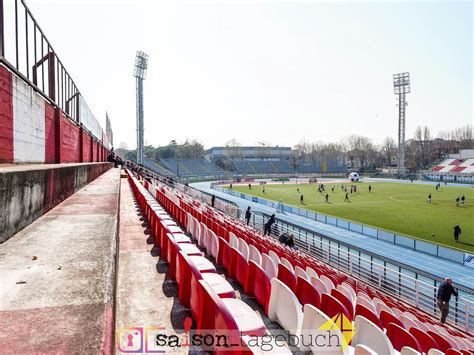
[(301, 273), (274, 256), (367, 333), (268, 265), (284, 307), (287, 264), (243, 248), (255, 255), (406, 350), (319, 285)]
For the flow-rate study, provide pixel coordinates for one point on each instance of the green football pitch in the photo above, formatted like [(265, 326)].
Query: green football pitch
[(397, 207)]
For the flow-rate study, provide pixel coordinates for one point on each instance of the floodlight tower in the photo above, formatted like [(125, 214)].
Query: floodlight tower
[(401, 86), (141, 64)]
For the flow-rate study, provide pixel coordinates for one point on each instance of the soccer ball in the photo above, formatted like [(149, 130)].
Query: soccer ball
[(354, 177)]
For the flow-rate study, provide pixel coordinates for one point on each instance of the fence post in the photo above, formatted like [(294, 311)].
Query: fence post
[(350, 263), (466, 317), (51, 76), (380, 276), (417, 293)]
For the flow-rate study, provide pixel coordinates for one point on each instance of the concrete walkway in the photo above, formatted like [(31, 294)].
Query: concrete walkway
[(441, 268), (57, 276), (145, 297)]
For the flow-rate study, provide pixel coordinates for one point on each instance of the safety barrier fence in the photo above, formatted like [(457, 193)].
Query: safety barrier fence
[(26, 51), (404, 284), (432, 249)]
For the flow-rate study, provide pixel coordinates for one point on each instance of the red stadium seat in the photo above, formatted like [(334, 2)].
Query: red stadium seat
[(332, 307), (227, 314), (259, 285), (174, 247), (425, 340), (443, 344), (387, 318), (369, 314), (344, 300), (241, 268), (286, 276), (222, 245), (307, 293), (400, 338), (187, 278)]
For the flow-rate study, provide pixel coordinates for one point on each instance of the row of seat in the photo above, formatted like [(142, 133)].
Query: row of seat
[(209, 296), (267, 274)]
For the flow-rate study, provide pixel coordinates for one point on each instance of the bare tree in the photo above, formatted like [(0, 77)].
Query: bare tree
[(232, 149), (304, 148), (424, 140), (349, 145), (388, 149)]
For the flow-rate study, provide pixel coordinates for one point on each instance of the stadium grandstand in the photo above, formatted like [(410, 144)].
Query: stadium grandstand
[(456, 167), (246, 161), (462, 163)]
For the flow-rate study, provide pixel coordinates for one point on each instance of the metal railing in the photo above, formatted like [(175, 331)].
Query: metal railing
[(407, 285), (26, 51)]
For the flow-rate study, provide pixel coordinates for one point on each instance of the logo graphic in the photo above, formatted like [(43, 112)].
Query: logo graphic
[(469, 260), (340, 323), (130, 340)]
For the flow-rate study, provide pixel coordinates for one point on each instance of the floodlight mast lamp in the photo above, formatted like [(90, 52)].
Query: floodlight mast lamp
[(141, 65), (401, 86)]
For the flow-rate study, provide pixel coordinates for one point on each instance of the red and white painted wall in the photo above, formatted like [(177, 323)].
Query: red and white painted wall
[(32, 130)]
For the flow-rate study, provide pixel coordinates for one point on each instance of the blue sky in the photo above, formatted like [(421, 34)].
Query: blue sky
[(267, 70)]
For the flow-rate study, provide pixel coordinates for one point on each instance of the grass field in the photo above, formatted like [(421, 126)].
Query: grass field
[(397, 207)]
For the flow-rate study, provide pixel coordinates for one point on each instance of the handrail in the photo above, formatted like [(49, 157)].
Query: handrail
[(28, 53)]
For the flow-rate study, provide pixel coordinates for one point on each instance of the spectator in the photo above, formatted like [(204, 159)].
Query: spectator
[(112, 158), (445, 291), (283, 238), (457, 232), (268, 226), (248, 214), (290, 241), (213, 200)]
